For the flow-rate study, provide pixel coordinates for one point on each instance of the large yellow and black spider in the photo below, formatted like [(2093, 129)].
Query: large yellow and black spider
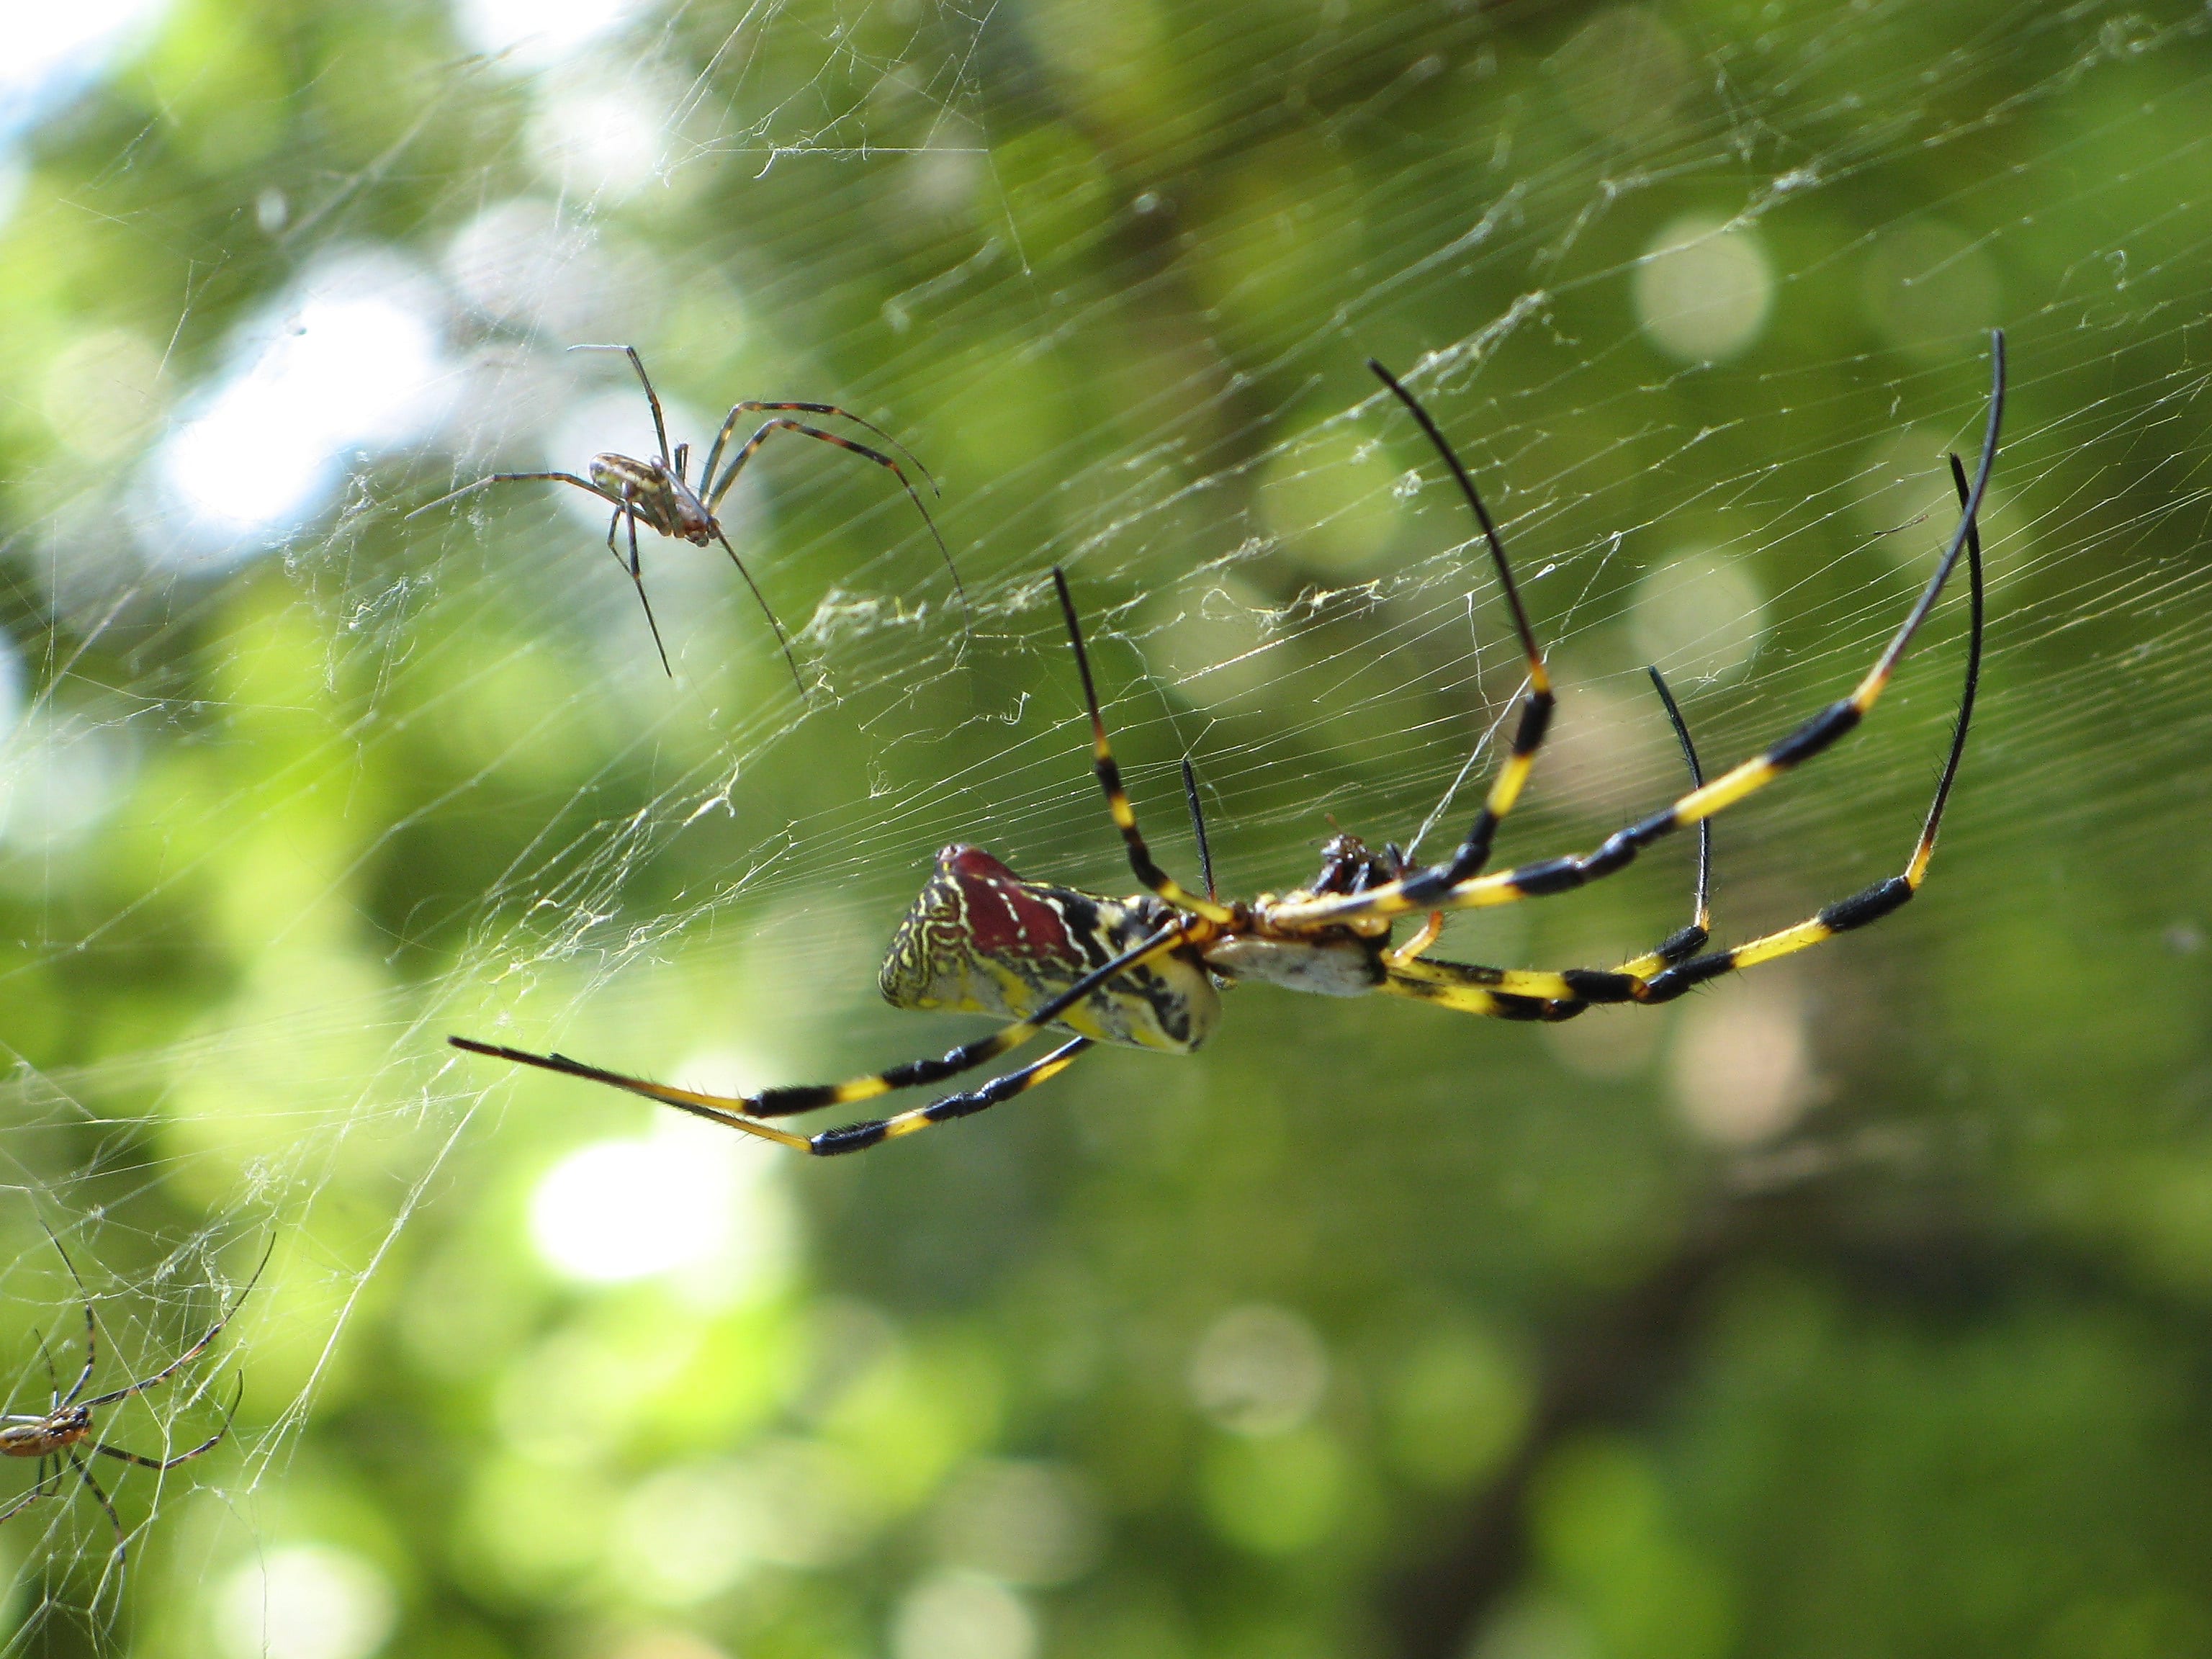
[(1144, 971)]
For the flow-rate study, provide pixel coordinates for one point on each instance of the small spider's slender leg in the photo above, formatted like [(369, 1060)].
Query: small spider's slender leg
[(42, 1487), (114, 1519), (1536, 702), (660, 423), (637, 576), (171, 1463), (196, 1350), (91, 1332), (752, 407), (506, 477), (744, 1111), (1198, 827), (782, 640), (714, 497), (1872, 903), (1618, 850), (1110, 781), (682, 457)]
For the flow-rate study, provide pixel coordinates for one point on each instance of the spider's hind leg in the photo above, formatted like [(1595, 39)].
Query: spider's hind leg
[(1872, 903)]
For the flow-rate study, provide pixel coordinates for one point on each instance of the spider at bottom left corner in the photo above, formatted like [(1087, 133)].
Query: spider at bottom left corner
[(66, 1424)]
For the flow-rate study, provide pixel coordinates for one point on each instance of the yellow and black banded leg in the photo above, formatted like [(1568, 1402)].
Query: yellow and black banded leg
[(1110, 781), (1587, 985), (714, 491), (1618, 850), (1537, 702), (1872, 903), (745, 1112), (1815, 735), (859, 1137)]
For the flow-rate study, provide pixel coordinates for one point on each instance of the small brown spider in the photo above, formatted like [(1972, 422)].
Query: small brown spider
[(657, 493), (66, 1424)]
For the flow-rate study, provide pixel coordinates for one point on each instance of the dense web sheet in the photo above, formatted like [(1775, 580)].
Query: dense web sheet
[(292, 790)]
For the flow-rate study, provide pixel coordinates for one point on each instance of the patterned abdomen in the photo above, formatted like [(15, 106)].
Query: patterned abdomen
[(980, 939)]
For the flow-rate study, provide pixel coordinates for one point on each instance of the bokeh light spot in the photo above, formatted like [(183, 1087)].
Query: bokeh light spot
[(1698, 615), (619, 1210), (1259, 1370), (1622, 75), (1930, 288), (961, 1615), (1703, 291), (1023, 1522), (529, 34), (1741, 1068), (305, 1601)]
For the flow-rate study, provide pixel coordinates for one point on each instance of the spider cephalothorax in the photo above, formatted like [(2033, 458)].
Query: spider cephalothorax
[(1140, 971)]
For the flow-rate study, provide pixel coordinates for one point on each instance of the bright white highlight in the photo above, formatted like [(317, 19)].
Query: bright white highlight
[(689, 1195), (304, 1601), (55, 52), (1703, 291), (594, 138), (349, 362), (531, 34)]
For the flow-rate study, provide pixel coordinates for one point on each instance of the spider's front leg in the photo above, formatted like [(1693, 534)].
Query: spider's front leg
[(745, 1112)]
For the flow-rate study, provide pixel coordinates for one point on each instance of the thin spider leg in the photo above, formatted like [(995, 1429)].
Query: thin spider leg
[(200, 1451), (1872, 903), (42, 1487), (114, 1519), (1536, 703), (752, 444), (752, 407), (91, 1332), (782, 640), (744, 1111), (660, 423), (1117, 798), (196, 1350), (1561, 875), (683, 460), (1686, 942), (506, 477), (637, 577), (1198, 827)]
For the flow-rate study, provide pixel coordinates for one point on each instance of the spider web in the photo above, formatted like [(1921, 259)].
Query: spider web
[(295, 787)]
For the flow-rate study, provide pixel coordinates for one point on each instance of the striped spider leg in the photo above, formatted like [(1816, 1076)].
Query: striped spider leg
[(1144, 971), (1443, 888), (65, 1429), (658, 493)]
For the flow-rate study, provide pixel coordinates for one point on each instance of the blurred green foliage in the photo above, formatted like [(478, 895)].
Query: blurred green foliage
[(1862, 1306)]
